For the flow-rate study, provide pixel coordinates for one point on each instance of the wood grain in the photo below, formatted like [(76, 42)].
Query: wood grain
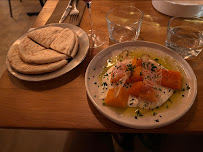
[(62, 103)]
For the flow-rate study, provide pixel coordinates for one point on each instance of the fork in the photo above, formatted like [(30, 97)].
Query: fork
[(74, 12)]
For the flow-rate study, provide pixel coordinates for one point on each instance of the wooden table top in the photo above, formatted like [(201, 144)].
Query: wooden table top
[(63, 103)]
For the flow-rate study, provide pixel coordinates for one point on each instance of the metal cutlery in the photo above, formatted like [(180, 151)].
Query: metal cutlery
[(66, 12), (74, 12)]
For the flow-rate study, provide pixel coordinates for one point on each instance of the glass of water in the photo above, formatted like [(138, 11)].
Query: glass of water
[(185, 36), (124, 23)]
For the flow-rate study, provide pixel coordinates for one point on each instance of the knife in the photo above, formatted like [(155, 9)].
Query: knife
[(66, 12)]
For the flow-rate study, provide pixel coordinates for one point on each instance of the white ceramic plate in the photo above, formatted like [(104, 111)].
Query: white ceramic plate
[(83, 50), (179, 8), (147, 122)]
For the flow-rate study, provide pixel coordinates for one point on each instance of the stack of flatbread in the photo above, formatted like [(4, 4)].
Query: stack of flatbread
[(43, 50)]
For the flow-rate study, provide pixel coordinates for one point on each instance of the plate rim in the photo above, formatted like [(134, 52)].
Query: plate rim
[(50, 75), (114, 119)]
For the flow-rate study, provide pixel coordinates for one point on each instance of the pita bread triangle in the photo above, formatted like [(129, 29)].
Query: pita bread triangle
[(75, 48), (45, 36), (64, 42), (31, 52)]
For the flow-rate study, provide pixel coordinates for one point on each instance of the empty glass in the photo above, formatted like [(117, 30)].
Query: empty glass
[(124, 23), (185, 36)]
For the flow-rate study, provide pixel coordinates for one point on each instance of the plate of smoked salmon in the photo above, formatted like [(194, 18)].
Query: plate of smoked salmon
[(140, 84)]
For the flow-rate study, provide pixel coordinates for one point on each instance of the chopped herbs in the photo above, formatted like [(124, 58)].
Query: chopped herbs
[(143, 65), (130, 67), (166, 106), (153, 67), (183, 89), (157, 107), (139, 114), (135, 117), (106, 74), (118, 67), (156, 59), (154, 113), (188, 87), (104, 84), (103, 103)]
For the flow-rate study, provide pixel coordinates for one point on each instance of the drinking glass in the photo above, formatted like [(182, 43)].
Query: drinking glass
[(124, 23), (185, 36), (96, 37)]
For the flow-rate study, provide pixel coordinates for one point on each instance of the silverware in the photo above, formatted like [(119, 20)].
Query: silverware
[(66, 12), (74, 12)]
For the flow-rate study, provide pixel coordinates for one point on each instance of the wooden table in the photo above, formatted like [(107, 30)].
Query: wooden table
[(62, 103)]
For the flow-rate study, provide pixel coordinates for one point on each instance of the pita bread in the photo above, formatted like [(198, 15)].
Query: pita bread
[(25, 68), (27, 44), (45, 36), (64, 42), (75, 48), (31, 52)]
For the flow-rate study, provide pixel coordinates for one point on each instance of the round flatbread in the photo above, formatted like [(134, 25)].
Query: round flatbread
[(64, 42), (27, 44), (31, 52), (75, 48), (45, 36), (25, 68)]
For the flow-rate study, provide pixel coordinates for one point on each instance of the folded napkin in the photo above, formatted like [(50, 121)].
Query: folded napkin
[(60, 8)]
